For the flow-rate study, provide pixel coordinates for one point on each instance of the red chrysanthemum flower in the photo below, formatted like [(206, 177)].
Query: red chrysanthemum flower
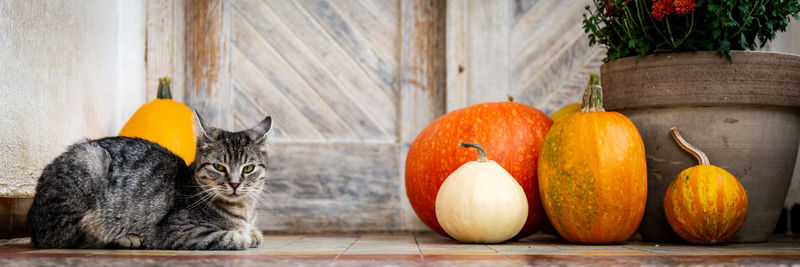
[(662, 8), (611, 9), (683, 7)]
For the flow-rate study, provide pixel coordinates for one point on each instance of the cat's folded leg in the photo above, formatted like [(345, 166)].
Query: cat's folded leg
[(129, 241)]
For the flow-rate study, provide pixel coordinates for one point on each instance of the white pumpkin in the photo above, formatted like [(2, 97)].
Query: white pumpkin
[(481, 202)]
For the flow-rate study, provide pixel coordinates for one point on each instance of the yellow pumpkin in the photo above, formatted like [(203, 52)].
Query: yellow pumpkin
[(165, 122), (574, 107), (566, 110), (705, 204)]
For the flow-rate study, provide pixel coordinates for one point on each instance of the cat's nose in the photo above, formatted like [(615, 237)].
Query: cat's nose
[(234, 185)]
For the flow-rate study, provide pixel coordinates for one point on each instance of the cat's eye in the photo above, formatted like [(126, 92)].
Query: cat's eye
[(219, 167), (248, 168)]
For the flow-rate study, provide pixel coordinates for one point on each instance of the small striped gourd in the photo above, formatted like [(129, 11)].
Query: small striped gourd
[(705, 204)]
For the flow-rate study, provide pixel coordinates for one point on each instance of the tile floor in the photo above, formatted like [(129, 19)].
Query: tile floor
[(420, 249)]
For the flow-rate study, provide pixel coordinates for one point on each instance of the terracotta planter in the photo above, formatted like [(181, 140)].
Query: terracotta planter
[(745, 115)]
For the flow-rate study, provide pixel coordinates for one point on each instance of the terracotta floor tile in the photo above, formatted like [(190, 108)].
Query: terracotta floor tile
[(420, 249)]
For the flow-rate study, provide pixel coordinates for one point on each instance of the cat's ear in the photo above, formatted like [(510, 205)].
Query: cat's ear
[(200, 127), (262, 129)]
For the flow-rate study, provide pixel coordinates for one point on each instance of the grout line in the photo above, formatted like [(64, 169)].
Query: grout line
[(498, 252), (421, 255), (291, 241), (348, 248)]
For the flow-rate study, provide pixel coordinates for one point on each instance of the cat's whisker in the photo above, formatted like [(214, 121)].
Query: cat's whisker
[(199, 201), (206, 196)]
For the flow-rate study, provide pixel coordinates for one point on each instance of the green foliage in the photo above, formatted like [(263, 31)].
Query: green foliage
[(629, 28)]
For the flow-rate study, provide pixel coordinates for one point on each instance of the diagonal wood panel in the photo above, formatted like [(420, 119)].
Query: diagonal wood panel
[(552, 58), (254, 89), (348, 94), (533, 50), (375, 31), (379, 67), (289, 83), (388, 10)]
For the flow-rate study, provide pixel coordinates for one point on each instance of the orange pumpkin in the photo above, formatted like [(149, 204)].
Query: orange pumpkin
[(512, 135), (165, 122), (705, 204), (592, 174)]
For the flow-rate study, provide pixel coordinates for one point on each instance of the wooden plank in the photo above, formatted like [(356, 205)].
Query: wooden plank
[(341, 187), (543, 22), (457, 46), (259, 91), (244, 115), (477, 55), (574, 59), (159, 59), (376, 65), (422, 70), (179, 50), (534, 45), (208, 86), (164, 54), (289, 83), (336, 77), (387, 10), (546, 57), (533, 66), (570, 89), (385, 38), (488, 67)]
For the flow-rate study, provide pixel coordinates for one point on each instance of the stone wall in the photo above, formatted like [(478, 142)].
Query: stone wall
[(68, 70)]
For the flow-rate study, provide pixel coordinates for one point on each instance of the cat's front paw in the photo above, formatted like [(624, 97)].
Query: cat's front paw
[(256, 238), (129, 241)]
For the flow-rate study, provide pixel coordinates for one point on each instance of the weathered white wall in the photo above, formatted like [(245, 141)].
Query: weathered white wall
[(68, 70)]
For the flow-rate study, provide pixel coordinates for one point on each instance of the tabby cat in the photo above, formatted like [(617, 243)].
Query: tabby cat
[(120, 192)]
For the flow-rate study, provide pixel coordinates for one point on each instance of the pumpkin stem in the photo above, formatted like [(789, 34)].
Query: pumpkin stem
[(593, 95), (696, 152), (481, 152), (510, 98), (163, 88)]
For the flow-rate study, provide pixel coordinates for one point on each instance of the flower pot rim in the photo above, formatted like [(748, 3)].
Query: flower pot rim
[(705, 53), (704, 78)]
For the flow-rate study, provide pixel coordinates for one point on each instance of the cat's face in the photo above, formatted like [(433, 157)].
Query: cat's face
[(232, 165)]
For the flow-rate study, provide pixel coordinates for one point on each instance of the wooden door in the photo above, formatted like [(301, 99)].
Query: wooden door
[(349, 84)]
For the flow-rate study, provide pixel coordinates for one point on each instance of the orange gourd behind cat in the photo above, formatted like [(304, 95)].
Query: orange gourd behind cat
[(165, 122)]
